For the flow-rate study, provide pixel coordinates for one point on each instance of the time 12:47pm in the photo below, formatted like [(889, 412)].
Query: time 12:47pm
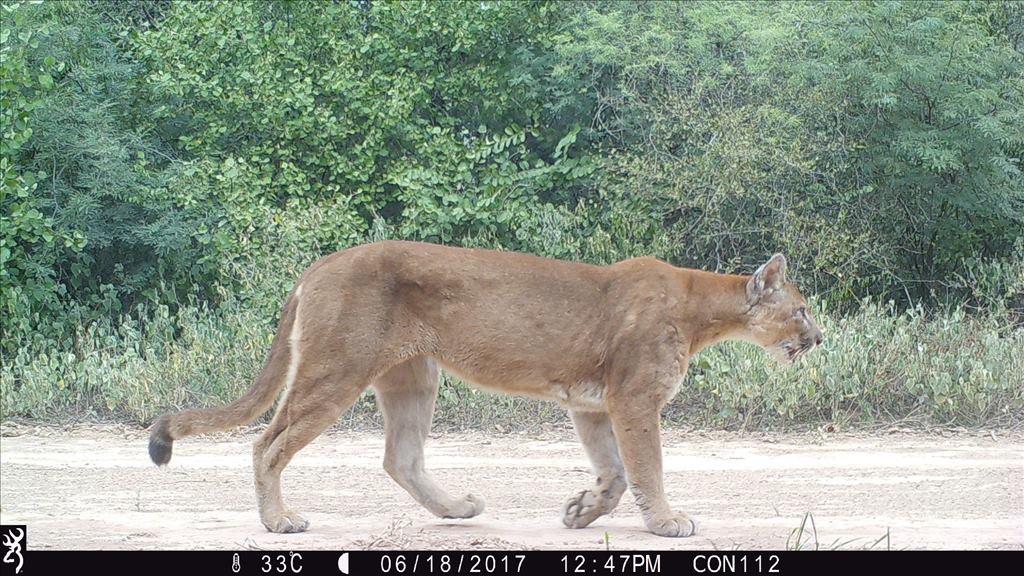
[(613, 564)]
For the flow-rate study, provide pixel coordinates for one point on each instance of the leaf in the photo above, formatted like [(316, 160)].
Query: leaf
[(568, 140)]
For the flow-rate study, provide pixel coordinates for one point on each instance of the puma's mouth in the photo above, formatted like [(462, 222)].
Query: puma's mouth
[(792, 351)]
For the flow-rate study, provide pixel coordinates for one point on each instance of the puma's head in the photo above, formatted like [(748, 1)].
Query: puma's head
[(778, 317)]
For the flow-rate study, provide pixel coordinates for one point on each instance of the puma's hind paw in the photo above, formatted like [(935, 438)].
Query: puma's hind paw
[(468, 507), (286, 523)]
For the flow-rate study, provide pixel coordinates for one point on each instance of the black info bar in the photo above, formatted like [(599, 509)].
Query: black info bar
[(426, 562)]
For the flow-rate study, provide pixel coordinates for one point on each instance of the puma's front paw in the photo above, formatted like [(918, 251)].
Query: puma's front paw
[(286, 523), (676, 526), (582, 509)]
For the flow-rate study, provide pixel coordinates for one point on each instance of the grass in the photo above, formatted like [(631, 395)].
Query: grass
[(804, 538), (879, 366)]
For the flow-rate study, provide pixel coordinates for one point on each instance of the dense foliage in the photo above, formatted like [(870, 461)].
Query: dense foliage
[(163, 159)]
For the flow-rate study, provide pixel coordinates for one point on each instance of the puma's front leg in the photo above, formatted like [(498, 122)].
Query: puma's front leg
[(637, 431), (595, 432)]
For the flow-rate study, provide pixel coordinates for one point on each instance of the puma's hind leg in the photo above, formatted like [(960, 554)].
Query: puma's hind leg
[(299, 419), (406, 395), (595, 432)]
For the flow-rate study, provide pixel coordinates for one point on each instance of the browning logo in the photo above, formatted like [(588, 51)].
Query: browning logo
[(13, 539)]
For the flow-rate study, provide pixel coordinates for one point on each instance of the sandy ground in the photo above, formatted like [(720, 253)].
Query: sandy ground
[(96, 489)]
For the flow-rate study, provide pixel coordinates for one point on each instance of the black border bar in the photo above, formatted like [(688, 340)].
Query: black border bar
[(427, 562)]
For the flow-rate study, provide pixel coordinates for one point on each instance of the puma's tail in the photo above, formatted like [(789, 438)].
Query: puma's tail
[(250, 406)]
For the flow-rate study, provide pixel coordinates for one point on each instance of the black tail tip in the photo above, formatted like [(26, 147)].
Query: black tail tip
[(160, 442)]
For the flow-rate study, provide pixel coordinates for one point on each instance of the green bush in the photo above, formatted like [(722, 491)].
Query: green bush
[(878, 366), (84, 187), (876, 143), (131, 369), (168, 169), (425, 115)]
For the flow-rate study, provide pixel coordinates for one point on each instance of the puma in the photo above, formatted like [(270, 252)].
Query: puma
[(609, 343)]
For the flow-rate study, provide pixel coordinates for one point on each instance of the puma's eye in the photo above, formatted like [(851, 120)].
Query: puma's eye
[(802, 312)]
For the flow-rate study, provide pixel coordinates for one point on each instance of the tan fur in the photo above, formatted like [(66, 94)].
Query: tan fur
[(610, 343)]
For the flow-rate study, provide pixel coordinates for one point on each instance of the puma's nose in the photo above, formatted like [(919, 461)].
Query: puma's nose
[(818, 339)]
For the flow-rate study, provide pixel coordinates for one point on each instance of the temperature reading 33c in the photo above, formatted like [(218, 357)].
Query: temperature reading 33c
[(281, 563)]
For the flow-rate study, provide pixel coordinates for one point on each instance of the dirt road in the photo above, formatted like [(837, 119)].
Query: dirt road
[(96, 489)]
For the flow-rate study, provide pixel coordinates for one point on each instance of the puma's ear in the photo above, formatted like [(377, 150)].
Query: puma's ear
[(770, 277)]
